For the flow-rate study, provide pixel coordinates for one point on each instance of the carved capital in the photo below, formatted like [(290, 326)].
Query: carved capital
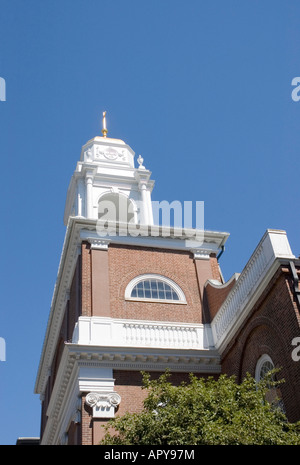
[(103, 403), (101, 244), (102, 399), (201, 254)]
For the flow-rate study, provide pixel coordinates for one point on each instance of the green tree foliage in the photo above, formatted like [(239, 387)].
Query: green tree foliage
[(204, 411)]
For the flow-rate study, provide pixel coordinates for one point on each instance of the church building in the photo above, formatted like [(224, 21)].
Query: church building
[(134, 295)]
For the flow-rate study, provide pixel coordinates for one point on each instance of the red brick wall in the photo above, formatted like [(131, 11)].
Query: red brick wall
[(86, 424), (125, 263), (270, 329), (214, 296), (215, 268)]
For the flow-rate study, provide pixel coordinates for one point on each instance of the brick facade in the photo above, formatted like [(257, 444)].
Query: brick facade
[(97, 270), (125, 263), (214, 296), (269, 328)]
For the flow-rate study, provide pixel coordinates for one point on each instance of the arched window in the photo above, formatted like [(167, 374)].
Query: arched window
[(115, 207), (153, 287), (265, 365)]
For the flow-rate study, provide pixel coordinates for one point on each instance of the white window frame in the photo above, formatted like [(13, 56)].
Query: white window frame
[(144, 277), (260, 362)]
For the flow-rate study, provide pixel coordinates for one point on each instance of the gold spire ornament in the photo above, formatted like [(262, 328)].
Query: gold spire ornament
[(104, 128)]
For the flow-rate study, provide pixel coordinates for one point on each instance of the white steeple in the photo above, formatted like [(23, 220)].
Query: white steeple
[(106, 175)]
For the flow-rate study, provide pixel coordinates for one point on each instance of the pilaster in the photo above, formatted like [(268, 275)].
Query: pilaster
[(100, 277), (203, 267)]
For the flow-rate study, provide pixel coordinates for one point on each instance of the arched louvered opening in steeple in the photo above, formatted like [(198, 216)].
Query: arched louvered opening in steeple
[(115, 207)]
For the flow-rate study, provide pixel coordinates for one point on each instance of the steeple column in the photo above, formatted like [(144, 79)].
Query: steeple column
[(142, 175), (80, 197), (144, 210), (89, 193), (149, 203)]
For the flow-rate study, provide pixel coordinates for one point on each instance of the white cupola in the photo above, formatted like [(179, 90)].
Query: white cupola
[(106, 175)]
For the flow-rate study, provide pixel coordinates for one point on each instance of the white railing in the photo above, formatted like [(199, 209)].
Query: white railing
[(162, 335), (100, 331), (273, 245), (128, 333)]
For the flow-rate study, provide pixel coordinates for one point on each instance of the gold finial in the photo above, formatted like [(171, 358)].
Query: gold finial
[(104, 130)]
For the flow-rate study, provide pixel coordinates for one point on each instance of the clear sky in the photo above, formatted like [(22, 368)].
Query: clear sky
[(202, 90)]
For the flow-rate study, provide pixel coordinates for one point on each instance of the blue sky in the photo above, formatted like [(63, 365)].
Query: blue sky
[(201, 89)]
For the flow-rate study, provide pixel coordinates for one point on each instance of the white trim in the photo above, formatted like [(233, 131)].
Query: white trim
[(100, 244), (89, 369), (263, 263), (201, 254), (109, 332), (260, 362), (143, 277), (103, 403)]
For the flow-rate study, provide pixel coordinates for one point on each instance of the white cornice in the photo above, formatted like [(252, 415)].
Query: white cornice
[(158, 236), (75, 357), (146, 358), (65, 273)]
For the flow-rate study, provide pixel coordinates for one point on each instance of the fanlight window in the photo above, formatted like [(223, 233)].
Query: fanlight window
[(154, 288), (265, 368), (264, 365), (273, 396)]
